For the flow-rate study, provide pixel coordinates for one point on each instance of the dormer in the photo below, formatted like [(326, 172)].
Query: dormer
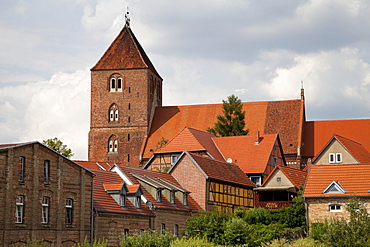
[(134, 195), (118, 191), (334, 188)]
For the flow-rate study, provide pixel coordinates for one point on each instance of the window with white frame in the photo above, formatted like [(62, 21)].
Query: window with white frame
[(335, 158), (19, 209), (116, 115), (45, 210), (22, 168), (112, 84), (115, 148), (69, 211), (256, 180), (111, 115), (119, 84), (335, 208), (46, 171), (110, 148)]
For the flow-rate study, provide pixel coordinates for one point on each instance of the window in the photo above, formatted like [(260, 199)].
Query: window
[(185, 199), (338, 157), (112, 84), (256, 180), (119, 84), (45, 210), (128, 157), (46, 171), (129, 119), (159, 195), (19, 209), (122, 200), (22, 166), (111, 116), (129, 106), (128, 137), (125, 233), (138, 202), (174, 158), (172, 197), (176, 230), (163, 228), (335, 158), (115, 149), (69, 211), (278, 179), (110, 149), (335, 208), (116, 115)]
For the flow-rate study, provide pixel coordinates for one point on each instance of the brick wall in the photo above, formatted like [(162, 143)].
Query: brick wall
[(141, 93), (67, 180), (170, 218), (196, 182)]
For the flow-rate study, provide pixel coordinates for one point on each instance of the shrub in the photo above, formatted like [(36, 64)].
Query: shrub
[(148, 239), (192, 242), (97, 243), (301, 242)]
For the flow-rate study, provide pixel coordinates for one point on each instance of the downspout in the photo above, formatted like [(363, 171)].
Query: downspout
[(207, 194), (92, 214)]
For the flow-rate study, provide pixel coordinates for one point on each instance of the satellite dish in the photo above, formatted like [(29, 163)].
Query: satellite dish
[(229, 160)]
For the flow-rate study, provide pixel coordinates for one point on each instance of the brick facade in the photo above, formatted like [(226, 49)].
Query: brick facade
[(67, 180)]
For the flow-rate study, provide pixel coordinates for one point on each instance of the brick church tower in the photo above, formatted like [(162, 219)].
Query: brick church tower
[(125, 89)]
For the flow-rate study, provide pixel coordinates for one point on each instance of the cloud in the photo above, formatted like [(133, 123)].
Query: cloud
[(41, 110)]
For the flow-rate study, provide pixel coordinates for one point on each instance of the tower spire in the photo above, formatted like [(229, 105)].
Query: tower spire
[(127, 18)]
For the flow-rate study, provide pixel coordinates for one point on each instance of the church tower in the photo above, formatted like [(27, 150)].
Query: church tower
[(125, 89)]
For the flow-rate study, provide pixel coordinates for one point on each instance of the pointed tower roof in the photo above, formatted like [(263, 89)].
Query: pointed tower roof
[(125, 52)]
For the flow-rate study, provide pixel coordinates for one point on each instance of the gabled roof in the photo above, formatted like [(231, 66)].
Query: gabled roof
[(125, 52), (191, 140), (317, 133), (354, 148), (103, 202), (354, 178), (113, 186), (297, 177), (271, 117), (218, 170), (132, 173), (334, 188), (243, 150), (95, 164)]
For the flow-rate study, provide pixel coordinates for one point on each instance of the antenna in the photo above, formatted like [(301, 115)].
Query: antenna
[(127, 18), (301, 84)]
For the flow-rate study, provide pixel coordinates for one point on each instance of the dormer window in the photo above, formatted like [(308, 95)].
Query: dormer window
[(185, 199), (122, 200), (335, 158), (159, 195), (256, 180), (172, 197), (138, 202)]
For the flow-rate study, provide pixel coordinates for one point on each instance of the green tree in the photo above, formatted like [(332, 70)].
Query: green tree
[(231, 123), (58, 146)]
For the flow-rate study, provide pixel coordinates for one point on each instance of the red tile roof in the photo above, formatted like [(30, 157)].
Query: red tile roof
[(354, 178), (95, 165), (355, 148), (105, 203), (297, 177), (220, 170), (125, 52), (112, 186), (317, 133), (130, 172), (283, 117), (250, 157), (192, 140)]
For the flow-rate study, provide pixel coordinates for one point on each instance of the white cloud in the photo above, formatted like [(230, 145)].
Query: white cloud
[(46, 109)]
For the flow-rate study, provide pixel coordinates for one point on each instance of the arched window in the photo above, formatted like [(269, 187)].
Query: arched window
[(112, 85), (111, 115), (115, 148), (116, 115), (119, 84), (110, 148)]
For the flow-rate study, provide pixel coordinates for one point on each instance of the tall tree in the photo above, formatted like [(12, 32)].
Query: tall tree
[(58, 146), (231, 123)]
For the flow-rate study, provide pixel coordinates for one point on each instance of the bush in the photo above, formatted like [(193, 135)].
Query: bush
[(301, 242), (32, 243), (192, 242), (148, 239), (97, 243)]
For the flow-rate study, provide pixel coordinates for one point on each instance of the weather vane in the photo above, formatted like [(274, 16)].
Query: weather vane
[(127, 17)]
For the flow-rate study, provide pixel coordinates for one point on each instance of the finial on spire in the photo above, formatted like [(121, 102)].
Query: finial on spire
[(302, 91), (127, 18)]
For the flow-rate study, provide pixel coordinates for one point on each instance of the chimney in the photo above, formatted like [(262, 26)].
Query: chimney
[(257, 137)]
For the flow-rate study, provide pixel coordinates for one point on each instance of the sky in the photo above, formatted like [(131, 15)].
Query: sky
[(205, 50)]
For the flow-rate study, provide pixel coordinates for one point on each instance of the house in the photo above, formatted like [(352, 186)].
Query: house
[(129, 200), (281, 186), (44, 196), (257, 155), (189, 139), (214, 184), (339, 172)]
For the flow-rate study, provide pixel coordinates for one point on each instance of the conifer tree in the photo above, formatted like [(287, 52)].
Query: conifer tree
[(231, 123)]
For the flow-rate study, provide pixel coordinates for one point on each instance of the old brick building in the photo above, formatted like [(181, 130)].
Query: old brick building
[(44, 196)]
